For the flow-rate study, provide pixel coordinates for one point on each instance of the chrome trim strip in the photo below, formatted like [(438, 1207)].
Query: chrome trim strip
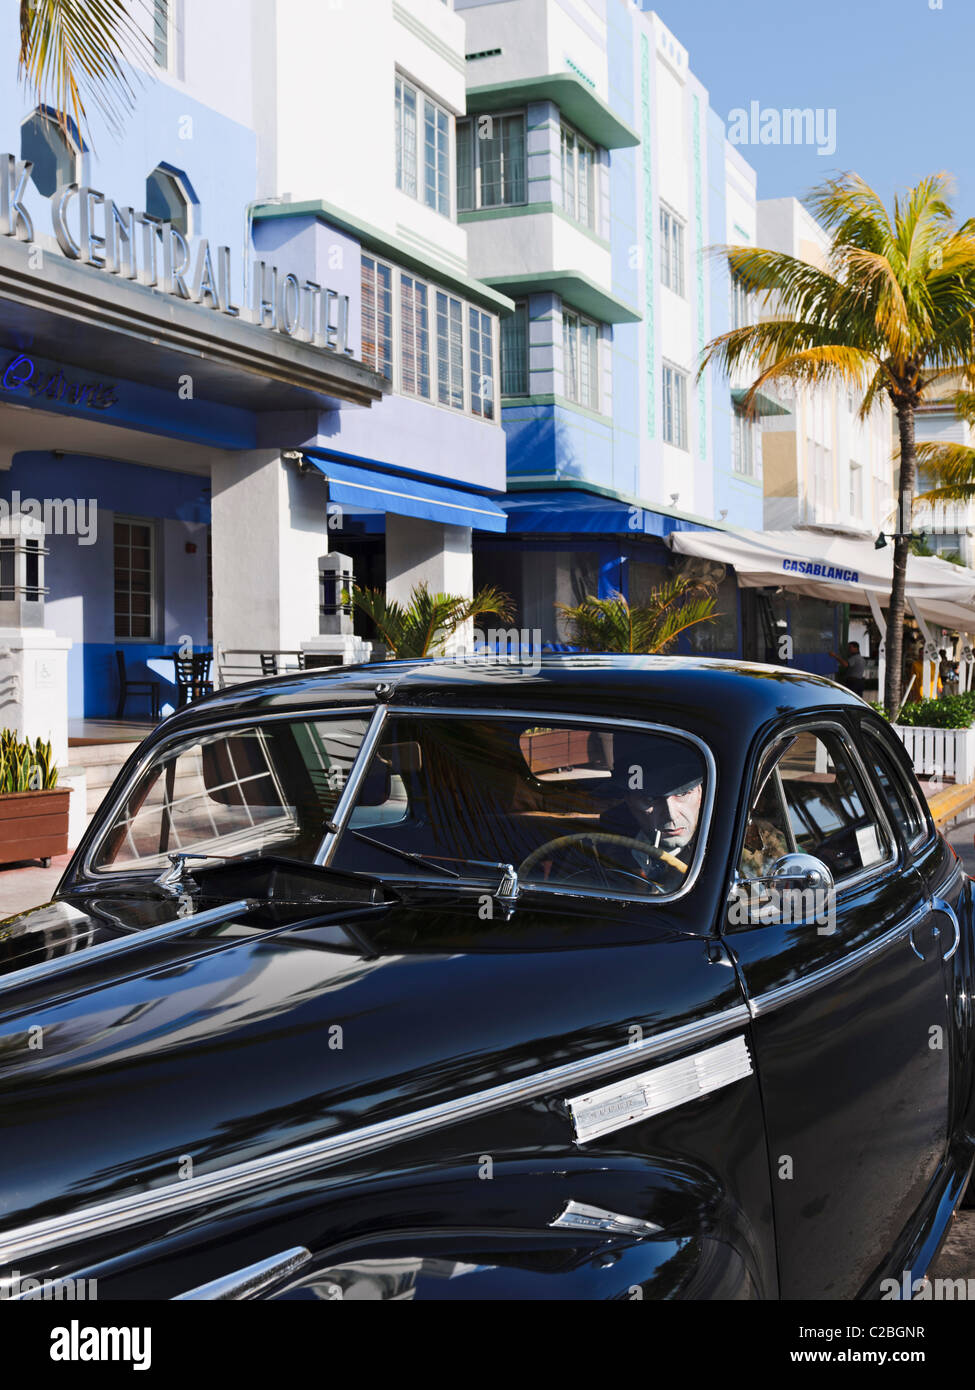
[(248, 1282), (939, 905), (123, 1212), (241, 721), (343, 808), (797, 989), (555, 717), (637, 1098), (133, 941), (578, 1216)]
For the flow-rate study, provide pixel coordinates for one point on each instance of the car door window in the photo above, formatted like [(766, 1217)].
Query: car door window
[(829, 810), (898, 798), (768, 834)]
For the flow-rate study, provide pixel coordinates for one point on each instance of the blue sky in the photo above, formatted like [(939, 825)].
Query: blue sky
[(897, 73)]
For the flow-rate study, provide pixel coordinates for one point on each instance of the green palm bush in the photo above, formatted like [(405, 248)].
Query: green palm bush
[(421, 627), (890, 315), (612, 625), (25, 766)]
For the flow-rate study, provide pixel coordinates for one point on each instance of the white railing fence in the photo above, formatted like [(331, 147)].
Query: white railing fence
[(947, 754)]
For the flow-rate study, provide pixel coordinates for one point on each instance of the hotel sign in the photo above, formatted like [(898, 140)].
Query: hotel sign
[(134, 245)]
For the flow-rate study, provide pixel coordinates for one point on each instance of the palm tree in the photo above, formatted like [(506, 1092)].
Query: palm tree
[(68, 44), (421, 627), (611, 625), (891, 314)]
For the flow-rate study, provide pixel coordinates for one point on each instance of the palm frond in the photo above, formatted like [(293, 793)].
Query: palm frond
[(69, 46), (612, 625)]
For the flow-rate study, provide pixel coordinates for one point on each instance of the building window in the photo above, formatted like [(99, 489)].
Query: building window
[(743, 444), (450, 351), (481, 329), (741, 303), (431, 183), (514, 352), (160, 33), (168, 199), (578, 180), (414, 336), (135, 586), (671, 251), (490, 162), (54, 156), (675, 407), (579, 360), (377, 316), (856, 490)]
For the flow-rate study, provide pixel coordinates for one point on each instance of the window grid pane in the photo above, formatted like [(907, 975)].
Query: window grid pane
[(514, 352), (377, 316), (415, 336), (675, 407), (405, 137), (482, 364), (133, 579), (465, 166), (450, 351)]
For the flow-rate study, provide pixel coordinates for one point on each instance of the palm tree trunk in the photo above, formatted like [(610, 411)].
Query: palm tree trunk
[(902, 546)]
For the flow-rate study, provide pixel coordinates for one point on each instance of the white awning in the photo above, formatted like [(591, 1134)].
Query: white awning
[(837, 568)]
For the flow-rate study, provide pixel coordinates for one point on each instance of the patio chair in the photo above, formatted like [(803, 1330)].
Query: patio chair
[(127, 688)]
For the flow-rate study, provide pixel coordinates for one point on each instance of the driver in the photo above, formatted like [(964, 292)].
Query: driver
[(662, 782)]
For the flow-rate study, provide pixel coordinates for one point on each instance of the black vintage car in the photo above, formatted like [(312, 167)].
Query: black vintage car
[(621, 978)]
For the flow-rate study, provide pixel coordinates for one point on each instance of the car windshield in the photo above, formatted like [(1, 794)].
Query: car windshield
[(444, 798), (269, 788), (577, 806)]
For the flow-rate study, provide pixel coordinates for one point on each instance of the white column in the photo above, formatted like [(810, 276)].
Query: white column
[(269, 526), (440, 556)]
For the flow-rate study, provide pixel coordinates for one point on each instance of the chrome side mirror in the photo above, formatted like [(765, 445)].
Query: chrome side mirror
[(797, 888)]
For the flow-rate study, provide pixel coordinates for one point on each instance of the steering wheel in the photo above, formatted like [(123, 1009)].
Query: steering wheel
[(604, 837)]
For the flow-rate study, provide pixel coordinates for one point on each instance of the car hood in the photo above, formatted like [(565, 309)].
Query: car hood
[(259, 1033)]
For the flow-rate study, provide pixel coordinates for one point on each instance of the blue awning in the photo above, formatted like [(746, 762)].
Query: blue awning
[(573, 512), (360, 489)]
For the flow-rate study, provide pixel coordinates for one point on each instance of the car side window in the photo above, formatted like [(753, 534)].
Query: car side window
[(898, 796), (767, 832), (829, 809)]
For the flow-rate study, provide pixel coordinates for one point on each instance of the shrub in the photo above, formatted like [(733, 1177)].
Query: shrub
[(25, 767), (952, 712)]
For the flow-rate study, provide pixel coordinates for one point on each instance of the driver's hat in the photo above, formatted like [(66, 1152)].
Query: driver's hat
[(668, 766)]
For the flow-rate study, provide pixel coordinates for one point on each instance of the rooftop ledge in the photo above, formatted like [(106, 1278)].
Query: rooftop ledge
[(572, 286), (588, 112)]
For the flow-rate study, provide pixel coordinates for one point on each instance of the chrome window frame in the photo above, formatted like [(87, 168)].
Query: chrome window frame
[(109, 809), (345, 804)]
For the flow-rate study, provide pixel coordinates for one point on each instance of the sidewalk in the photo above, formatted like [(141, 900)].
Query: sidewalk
[(29, 885), (950, 801)]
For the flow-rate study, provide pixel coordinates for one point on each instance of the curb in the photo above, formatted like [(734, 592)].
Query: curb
[(947, 804)]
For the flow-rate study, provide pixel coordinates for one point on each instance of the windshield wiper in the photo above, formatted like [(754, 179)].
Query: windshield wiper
[(406, 854)]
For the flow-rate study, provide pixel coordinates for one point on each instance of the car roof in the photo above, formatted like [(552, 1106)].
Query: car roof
[(616, 686)]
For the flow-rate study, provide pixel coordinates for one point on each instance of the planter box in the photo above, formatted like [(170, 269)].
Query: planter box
[(33, 825), (948, 754)]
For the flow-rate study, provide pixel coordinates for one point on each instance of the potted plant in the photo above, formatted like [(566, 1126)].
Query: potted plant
[(33, 808)]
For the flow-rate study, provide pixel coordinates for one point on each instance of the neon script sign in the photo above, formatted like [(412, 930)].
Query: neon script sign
[(22, 375)]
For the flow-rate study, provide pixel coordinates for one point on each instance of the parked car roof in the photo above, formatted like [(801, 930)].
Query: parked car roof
[(623, 686)]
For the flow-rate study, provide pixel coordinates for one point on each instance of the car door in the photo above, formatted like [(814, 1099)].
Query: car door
[(945, 886), (850, 1023)]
